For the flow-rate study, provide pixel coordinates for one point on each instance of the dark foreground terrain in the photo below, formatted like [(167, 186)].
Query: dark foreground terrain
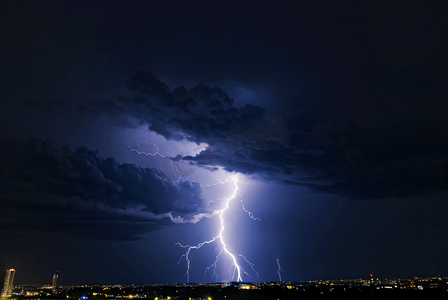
[(371, 289)]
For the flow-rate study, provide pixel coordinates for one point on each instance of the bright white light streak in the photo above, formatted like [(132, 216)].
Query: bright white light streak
[(279, 268), (142, 152), (237, 269)]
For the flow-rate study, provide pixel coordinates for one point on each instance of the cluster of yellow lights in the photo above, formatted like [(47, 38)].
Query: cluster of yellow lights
[(247, 287)]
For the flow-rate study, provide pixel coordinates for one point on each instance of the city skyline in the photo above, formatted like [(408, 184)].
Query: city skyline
[(367, 279), (197, 141), (376, 288)]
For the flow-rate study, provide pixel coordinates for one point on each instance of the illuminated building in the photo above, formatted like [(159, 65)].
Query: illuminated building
[(55, 279), (7, 285)]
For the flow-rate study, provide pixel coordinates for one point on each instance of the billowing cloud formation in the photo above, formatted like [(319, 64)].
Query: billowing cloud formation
[(48, 188), (296, 148)]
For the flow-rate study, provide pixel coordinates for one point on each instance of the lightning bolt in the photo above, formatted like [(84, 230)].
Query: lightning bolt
[(279, 268), (166, 162), (238, 270), (142, 152)]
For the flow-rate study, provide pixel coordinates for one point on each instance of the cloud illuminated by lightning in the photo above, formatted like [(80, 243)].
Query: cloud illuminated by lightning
[(238, 270)]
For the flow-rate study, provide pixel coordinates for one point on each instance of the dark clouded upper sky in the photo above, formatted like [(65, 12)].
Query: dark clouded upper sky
[(121, 122)]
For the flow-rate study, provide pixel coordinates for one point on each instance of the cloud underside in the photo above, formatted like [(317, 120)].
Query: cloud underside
[(297, 148), (53, 189)]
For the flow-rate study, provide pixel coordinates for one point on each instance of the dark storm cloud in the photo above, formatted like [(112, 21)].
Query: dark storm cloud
[(402, 159), (299, 148), (51, 105), (49, 188)]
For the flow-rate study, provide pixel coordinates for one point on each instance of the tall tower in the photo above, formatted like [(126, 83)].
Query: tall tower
[(7, 285), (55, 279)]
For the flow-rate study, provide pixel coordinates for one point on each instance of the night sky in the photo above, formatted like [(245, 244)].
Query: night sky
[(120, 122)]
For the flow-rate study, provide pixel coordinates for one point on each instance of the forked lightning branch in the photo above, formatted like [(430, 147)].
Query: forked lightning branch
[(236, 268)]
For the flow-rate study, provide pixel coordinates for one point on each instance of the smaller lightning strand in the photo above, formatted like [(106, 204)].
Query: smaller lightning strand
[(279, 268), (237, 269), (168, 164), (142, 152), (248, 212)]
